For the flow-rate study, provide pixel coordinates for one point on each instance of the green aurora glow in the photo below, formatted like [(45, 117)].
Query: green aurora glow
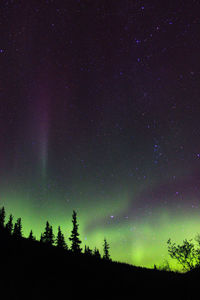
[(141, 242), (99, 113)]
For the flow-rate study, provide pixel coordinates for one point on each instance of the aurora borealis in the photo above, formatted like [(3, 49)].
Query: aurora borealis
[(99, 113)]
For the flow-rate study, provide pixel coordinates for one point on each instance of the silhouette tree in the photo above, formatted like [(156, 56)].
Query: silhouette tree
[(51, 236), (88, 251), (31, 237), (74, 238), (106, 248), (2, 217), (60, 240), (48, 236), (9, 225), (17, 232), (96, 253), (185, 254), (41, 238)]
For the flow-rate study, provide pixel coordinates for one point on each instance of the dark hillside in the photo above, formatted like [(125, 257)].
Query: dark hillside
[(32, 270), (192, 282)]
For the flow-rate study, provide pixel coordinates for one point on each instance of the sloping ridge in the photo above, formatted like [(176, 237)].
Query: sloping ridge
[(32, 270)]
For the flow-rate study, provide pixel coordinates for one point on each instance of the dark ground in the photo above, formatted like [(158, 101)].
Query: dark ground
[(31, 270)]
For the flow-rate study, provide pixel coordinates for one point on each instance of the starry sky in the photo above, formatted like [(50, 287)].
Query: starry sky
[(99, 112)]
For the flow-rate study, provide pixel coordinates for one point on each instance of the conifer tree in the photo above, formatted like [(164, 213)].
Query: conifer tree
[(46, 232), (96, 253), (51, 236), (41, 238), (60, 240), (106, 247), (2, 217), (31, 237), (75, 247), (17, 232), (9, 225), (88, 251), (48, 236)]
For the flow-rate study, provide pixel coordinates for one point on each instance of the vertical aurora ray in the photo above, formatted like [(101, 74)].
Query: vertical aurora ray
[(43, 138), (40, 127), (102, 120)]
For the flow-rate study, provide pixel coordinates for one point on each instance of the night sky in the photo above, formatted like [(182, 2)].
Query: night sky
[(100, 113)]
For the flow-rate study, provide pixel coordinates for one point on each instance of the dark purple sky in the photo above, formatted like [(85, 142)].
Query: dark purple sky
[(99, 110)]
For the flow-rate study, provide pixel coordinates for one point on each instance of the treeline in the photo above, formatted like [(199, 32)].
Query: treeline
[(48, 237)]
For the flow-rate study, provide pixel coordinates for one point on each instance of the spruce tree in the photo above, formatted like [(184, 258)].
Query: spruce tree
[(31, 237), (74, 238), (41, 238), (106, 247), (96, 253), (17, 232), (45, 235), (51, 236), (60, 240), (2, 217), (9, 225), (88, 251), (48, 236)]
